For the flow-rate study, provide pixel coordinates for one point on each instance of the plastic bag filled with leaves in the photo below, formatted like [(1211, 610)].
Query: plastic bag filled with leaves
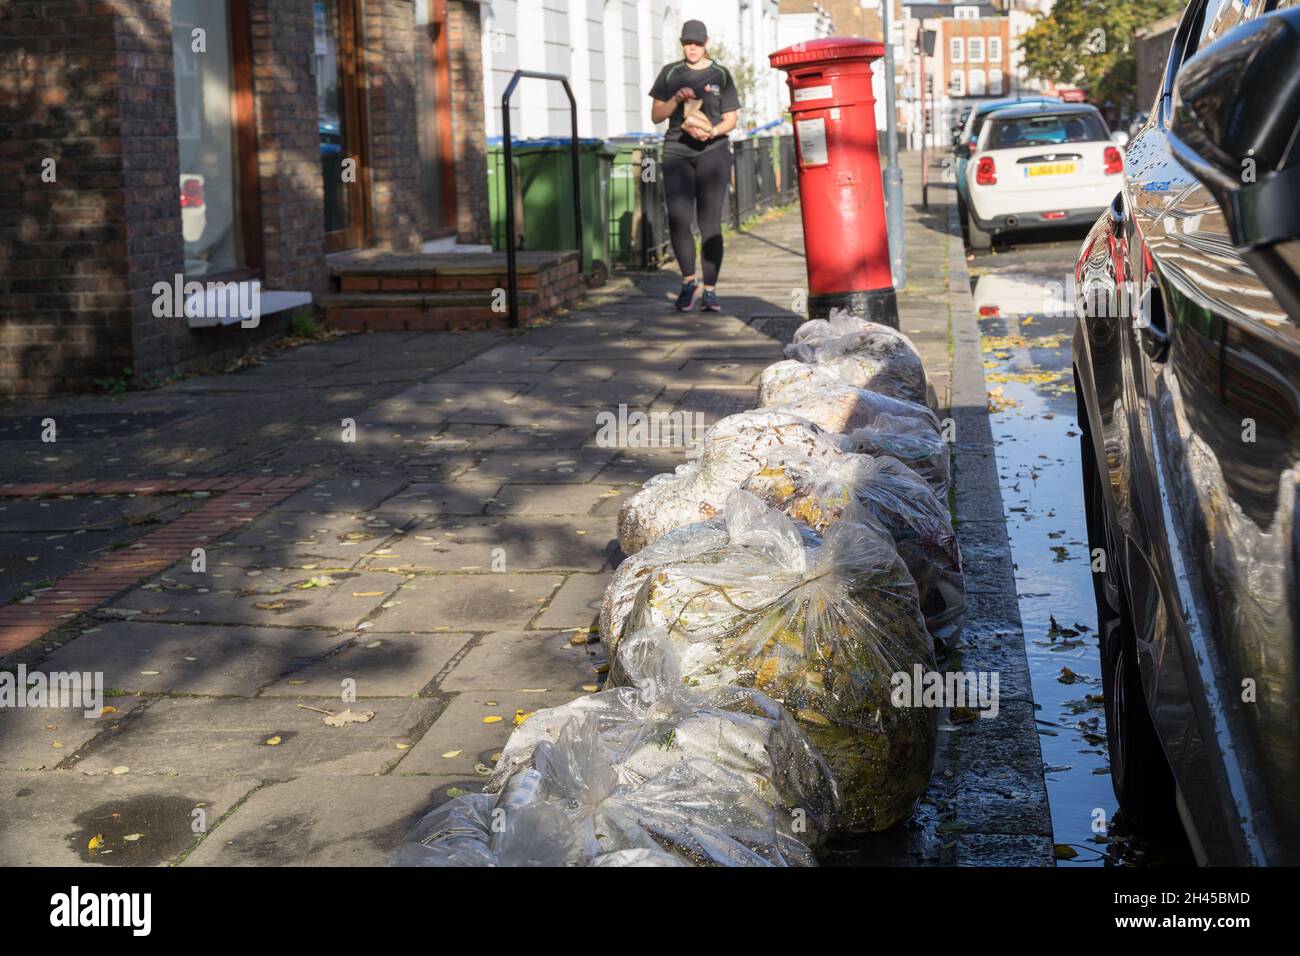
[(629, 776), (732, 450), (862, 353), (814, 393), (912, 442), (870, 490), (821, 624), (662, 722)]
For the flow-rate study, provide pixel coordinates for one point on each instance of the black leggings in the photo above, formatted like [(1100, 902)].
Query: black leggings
[(696, 187)]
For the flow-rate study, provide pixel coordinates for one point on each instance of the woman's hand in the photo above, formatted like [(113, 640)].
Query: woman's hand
[(684, 94), (703, 135)]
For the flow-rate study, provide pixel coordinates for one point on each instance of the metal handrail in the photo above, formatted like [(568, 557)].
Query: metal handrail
[(512, 276)]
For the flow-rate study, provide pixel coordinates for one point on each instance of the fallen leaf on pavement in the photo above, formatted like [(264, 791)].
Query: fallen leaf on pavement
[(348, 717)]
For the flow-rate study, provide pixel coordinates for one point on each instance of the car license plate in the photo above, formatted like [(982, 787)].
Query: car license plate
[(1052, 169)]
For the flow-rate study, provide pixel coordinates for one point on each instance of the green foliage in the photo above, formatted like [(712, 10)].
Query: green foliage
[(305, 325), (746, 77), (114, 387), (1090, 44)]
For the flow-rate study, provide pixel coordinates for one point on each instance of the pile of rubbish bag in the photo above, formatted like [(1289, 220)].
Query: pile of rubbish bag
[(771, 590)]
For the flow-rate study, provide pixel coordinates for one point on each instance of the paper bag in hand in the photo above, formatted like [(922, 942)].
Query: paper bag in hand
[(694, 117)]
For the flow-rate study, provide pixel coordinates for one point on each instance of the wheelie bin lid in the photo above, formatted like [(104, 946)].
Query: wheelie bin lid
[(584, 142), (827, 48)]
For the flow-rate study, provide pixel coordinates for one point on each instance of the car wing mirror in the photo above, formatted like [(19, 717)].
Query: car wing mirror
[(1235, 124)]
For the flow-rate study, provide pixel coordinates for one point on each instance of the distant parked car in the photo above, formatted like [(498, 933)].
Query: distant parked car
[(1040, 166), (1187, 368), (970, 134)]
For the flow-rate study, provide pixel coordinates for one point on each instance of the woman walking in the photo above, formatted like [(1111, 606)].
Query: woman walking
[(698, 98)]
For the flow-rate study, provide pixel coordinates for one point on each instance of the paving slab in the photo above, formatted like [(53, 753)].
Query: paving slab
[(43, 737), (461, 740), (225, 736), (50, 818), (515, 660), (342, 599), (289, 536), (504, 544), (377, 664), (525, 499), (349, 495), (201, 659), (577, 603), (314, 821), (466, 602), (542, 467), (443, 498)]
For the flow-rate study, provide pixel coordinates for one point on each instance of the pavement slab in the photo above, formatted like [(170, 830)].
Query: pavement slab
[(313, 821), (504, 543), (326, 597), (430, 604), (515, 660), (50, 818), (201, 659), (263, 738), (377, 663)]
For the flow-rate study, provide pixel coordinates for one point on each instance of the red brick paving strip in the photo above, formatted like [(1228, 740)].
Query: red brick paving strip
[(240, 501)]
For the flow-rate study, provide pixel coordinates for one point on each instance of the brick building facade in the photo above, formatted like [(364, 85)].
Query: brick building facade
[(222, 141)]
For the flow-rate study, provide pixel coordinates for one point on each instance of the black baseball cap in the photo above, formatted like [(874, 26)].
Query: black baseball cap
[(694, 31)]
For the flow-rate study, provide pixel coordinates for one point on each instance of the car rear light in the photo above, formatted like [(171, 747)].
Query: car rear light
[(988, 311), (986, 173), (1114, 161), (1054, 215), (191, 194)]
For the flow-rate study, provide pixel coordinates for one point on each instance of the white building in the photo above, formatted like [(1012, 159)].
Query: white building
[(612, 50)]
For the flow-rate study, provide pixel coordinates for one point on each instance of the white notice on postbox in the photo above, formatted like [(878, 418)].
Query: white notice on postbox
[(812, 141), (812, 93)]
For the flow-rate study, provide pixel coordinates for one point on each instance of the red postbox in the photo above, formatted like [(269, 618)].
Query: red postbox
[(840, 190)]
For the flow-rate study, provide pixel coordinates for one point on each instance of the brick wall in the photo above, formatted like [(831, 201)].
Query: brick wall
[(288, 146), (394, 143), (464, 38), (63, 244)]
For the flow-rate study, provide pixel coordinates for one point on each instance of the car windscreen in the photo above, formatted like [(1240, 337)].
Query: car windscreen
[(1045, 130)]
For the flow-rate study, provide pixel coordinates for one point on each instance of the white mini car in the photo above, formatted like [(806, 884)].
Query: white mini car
[(1041, 166)]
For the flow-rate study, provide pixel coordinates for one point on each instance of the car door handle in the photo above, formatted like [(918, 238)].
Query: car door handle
[(1116, 211), (1153, 331)]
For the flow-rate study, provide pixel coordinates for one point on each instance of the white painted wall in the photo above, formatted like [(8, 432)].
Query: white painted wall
[(611, 50)]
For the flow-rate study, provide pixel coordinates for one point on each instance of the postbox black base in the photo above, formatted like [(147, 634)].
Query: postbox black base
[(874, 305)]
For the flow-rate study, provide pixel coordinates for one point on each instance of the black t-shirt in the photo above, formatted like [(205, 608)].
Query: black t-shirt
[(717, 94)]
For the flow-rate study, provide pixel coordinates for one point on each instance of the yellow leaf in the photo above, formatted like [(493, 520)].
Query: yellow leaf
[(452, 753), (110, 710), (96, 842), (590, 688), (273, 741), (520, 716), (367, 593), (403, 746), (493, 719), (56, 745)]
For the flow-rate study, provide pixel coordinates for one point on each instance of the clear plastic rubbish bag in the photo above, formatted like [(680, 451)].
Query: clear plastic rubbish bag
[(821, 624), (862, 353), (732, 450), (869, 490), (911, 441), (816, 394), (649, 728), (629, 776)]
